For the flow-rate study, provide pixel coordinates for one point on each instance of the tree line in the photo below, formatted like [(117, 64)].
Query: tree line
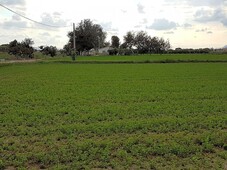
[(24, 49), (92, 36)]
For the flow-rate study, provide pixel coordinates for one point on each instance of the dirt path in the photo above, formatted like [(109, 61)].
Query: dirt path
[(21, 61)]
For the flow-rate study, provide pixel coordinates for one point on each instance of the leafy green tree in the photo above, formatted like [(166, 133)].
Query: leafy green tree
[(88, 36), (22, 49), (27, 42), (14, 48), (49, 50), (115, 42), (142, 42), (129, 40)]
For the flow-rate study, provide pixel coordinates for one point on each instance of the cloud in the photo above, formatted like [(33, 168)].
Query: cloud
[(45, 34), (16, 17), (169, 32), (206, 2), (13, 2), (187, 25), (138, 26), (204, 30), (140, 8), (144, 21), (123, 11), (217, 15), (14, 22), (107, 26), (163, 24), (53, 19), (201, 30)]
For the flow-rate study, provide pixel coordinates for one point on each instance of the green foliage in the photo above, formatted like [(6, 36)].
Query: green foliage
[(2, 166), (21, 49), (165, 58), (49, 50), (145, 44), (115, 42), (113, 116), (88, 36)]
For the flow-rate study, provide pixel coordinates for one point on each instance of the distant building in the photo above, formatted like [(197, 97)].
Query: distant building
[(100, 51)]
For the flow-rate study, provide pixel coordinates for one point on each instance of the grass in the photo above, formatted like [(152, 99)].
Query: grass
[(148, 58), (117, 116), (158, 57), (6, 56)]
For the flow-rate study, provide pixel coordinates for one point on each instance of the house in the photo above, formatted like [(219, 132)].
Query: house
[(100, 51)]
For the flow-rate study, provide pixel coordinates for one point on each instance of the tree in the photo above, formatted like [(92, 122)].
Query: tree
[(154, 46), (115, 42), (88, 36), (4, 48), (27, 42), (142, 42), (129, 40), (165, 45), (68, 49), (49, 50), (14, 48), (23, 49)]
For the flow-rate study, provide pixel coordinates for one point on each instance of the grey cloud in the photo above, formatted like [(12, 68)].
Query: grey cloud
[(204, 30), (46, 34), (217, 15), (140, 8), (57, 14), (138, 26), (209, 3), (186, 25), (169, 32), (224, 21), (53, 19), (16, 18), (141, 23), (206, 2), (144, 21), (14, 24), (201, 30), (107, 26), (163, 24), (225, 47), (13, 2), (123, 11)]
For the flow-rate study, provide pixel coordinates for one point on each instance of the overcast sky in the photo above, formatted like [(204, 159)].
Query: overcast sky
[(186, 23)]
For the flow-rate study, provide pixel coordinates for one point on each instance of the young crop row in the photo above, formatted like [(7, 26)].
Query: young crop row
[(158, 116)]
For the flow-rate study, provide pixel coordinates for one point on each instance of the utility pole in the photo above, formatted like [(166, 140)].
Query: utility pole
[(74, 43)]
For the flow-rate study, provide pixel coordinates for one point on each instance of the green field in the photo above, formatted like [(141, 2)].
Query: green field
[(113, 116), (165, 58), (158, 57)]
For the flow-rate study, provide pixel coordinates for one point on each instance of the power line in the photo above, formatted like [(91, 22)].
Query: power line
[(47, 25)]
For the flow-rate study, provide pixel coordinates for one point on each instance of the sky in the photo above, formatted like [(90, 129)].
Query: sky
[(185, 23)]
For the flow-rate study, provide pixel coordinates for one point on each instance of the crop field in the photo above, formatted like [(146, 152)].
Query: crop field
[(113, 116), (158, 57)]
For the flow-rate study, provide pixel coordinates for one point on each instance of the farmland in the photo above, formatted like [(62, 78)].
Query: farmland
[(152, 58), (158, 57), (113, 116)]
